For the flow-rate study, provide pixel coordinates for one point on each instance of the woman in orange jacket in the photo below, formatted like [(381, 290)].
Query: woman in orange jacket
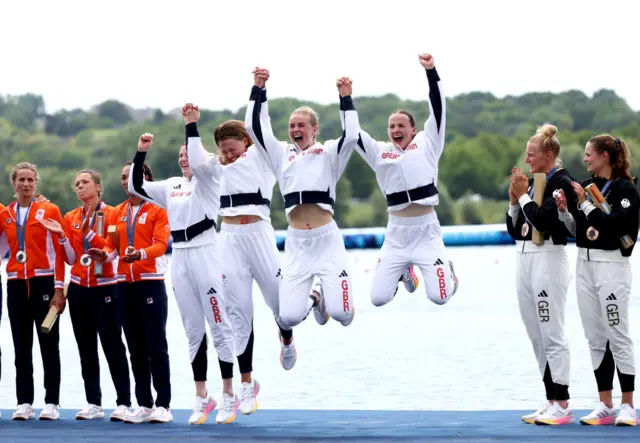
[(92, 296), (35, 281), (141, 239)]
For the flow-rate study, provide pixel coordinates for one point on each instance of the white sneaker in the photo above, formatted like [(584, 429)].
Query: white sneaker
[(555, 416), (161, 415), (530, 418), (23, 412), (90, 412), (347, 321), (50, 412), (410, 279), (201, 410), (288, 353), (601, 415), (227, 411), (138, 415), (248, 397), (627, 416), (120, 413), (320, 310)]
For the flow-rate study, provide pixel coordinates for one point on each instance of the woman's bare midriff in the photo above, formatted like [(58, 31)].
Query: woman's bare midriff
[(414, 210), (309, 216), (241, 219)]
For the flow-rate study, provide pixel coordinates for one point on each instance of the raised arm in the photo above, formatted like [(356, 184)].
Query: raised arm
[(155, 192), (200, 160), (342, 149), (434, 127), (365, 145), (258, 123)]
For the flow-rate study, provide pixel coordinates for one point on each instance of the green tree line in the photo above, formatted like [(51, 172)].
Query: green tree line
[(486, 137)]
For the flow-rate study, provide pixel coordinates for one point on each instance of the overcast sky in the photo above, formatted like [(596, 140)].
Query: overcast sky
[(162, 54)]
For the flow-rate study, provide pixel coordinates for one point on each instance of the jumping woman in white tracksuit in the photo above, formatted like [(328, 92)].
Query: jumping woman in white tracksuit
[(307, 172), (542, 271), (192, 203), (248, 247), (605, 242), (407, 172)]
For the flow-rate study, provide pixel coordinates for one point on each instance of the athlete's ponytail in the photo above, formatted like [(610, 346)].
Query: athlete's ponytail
[(619, 155)]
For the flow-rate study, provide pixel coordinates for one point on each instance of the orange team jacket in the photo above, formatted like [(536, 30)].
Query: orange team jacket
[(81, 275), (45, 255), (151, 238)]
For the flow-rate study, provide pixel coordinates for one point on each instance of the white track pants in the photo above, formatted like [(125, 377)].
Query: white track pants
[(417, 241), (604, 291), (249, 251), (310, 253), (542, 281), (197, 284)]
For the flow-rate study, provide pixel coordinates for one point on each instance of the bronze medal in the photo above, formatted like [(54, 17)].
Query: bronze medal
[(592, 234)]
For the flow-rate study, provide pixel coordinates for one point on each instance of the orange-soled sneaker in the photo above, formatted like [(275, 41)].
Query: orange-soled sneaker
[(555, 416), (600, 416)]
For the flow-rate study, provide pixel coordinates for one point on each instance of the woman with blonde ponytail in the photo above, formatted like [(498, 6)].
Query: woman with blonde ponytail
[(542, 271), (605, 236)]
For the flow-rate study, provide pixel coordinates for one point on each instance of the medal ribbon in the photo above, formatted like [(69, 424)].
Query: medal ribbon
[(20, 228), (131, 224), (92, 224)]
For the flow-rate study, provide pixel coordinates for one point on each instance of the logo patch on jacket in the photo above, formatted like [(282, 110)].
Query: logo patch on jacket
[(40, 214)]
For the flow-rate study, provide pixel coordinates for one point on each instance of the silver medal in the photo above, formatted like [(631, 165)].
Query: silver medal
[(525, 229), (130, 250), (592, 233), (21, 257), (85, 260)]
